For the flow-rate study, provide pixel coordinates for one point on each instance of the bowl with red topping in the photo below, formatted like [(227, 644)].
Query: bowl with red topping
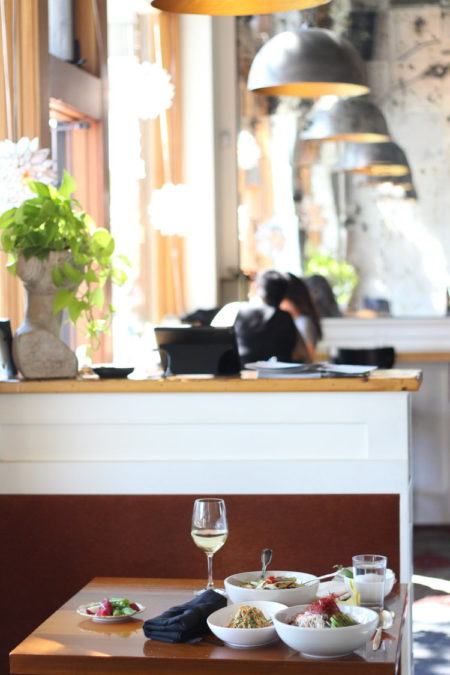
[(111, 610), (289, 588), (325, 628)]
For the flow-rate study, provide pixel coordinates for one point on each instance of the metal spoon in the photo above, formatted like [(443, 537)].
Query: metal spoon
[(324, 576), (386, 621), (266, 557)]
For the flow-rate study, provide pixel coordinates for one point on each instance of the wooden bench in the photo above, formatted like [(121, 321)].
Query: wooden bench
[(53, 545)]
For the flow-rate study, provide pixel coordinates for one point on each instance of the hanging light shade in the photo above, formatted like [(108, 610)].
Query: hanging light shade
[(375, 159), (309, 63), (356, 119), (406, 181), (234, 7)]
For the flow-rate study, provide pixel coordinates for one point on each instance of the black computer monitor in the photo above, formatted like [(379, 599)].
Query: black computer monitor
[(198, 350)]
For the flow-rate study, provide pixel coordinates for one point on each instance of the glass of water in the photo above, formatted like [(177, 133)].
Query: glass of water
[(369, 574)]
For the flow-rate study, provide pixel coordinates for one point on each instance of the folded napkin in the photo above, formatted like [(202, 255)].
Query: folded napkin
[(187, 622)]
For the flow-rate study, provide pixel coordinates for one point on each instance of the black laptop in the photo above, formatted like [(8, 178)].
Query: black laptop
[(199, 350)]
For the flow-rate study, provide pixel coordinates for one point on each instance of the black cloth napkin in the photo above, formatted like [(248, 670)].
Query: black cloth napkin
[(187, 622)]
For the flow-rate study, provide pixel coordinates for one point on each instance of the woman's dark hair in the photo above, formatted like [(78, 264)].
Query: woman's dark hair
[(272, 286), (298, 293), (323, 296)]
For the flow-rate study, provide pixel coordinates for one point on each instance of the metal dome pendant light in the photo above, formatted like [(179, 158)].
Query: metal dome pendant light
[(356, 120), (234, 7), (375, 159), (406, 181), (309, 63)]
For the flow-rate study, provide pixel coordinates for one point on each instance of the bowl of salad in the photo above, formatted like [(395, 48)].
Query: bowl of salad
[(245, 625), (289, 588), (325, 628)]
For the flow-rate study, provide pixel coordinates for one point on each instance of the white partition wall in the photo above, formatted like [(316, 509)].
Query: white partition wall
[(340, 442)]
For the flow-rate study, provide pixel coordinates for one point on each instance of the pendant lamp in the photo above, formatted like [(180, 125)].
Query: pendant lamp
[(406, 181), (308, 63), (234, 7), (354, 119), (375, 159)]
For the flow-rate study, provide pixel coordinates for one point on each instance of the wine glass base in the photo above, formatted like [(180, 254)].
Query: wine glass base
[(213, 588)]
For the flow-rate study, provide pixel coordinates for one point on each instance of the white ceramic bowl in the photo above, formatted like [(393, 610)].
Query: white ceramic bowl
[(244, 637), (326, 642), (287, 596), (388, 584)]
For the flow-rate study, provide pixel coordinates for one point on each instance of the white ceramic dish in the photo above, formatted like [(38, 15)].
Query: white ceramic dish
[(326, 642), (388, 584), (107, 619), (287, 596), (243, 638)]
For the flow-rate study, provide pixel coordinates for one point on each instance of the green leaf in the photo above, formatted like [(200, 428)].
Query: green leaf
[(91, 277), (41, 189), (119, 277), (57, 276), (72, 273), (19, 214), (80, 258), (123, 258), (7, 217), (62, 299), (75, 307), (68, 185), (98, 297), (101, 238)]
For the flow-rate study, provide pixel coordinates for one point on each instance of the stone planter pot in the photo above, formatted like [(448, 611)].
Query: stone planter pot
[(38, 351)]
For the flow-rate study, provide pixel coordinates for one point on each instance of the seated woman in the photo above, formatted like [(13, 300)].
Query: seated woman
[(263, 329), (322, 296), (298, 302)]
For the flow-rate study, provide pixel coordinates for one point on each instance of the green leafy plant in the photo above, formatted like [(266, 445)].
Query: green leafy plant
[(54, 221), (341, 275)]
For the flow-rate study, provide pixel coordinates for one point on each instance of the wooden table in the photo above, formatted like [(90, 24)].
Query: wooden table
[(67, 643)]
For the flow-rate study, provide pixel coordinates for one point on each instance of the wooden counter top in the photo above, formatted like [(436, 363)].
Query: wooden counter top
[(380, 380)]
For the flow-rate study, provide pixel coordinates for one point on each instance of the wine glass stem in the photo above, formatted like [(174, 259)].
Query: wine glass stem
[(210, 583)]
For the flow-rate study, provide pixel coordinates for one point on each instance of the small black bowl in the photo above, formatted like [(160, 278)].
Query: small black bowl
[(112, 372)]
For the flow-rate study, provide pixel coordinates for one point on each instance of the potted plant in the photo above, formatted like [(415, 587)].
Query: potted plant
[(64, 262)]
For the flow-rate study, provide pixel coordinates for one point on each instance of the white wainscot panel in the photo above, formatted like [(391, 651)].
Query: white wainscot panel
[(155, 442), (217, 426)]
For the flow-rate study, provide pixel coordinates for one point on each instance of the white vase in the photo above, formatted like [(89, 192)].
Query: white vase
[(38, 351)]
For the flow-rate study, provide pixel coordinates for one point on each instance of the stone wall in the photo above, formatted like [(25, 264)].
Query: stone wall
[(400, 247)]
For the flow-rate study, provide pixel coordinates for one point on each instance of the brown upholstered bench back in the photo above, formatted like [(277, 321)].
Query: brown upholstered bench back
[(52, 545)]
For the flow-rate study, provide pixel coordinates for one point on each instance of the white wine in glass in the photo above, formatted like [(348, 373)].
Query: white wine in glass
[(209, 529)]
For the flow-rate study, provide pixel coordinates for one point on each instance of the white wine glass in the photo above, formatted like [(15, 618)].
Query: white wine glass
[(209, 530)]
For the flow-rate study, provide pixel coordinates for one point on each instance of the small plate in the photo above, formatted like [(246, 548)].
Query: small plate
[(107, 619), (112, 372)]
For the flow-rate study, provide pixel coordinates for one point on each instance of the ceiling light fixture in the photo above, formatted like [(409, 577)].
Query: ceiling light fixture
[(309, 63), (406, 181), (375, 159), (234, 7), (356, 120)]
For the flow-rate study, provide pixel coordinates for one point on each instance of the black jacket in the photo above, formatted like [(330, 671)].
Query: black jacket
[(263, 332)]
